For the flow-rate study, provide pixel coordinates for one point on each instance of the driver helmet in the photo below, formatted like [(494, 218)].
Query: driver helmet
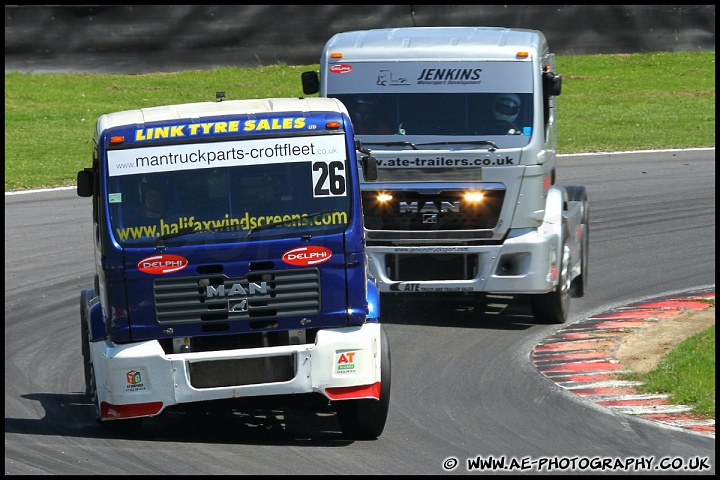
[(364, 107), (152, 187), (506, 107)]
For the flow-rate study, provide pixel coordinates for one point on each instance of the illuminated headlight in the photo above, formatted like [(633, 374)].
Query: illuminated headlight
[(474, 196), (384, 197)]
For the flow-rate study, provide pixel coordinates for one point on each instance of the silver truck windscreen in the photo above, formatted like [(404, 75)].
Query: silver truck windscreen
[(440, 114), (458, 99)]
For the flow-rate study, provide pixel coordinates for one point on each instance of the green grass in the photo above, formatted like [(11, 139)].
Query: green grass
[(636, 102), (609, 103), (687, 374)]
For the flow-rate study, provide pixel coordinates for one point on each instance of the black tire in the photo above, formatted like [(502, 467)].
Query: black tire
[(554, 306), (579, 283), (125, 425), (365, 419), (85, 296)]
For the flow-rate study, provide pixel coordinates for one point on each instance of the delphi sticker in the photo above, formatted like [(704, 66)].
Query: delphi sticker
[(160, 264), (340, 68), (305, 256)]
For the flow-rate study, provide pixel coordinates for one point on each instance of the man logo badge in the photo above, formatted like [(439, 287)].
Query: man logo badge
[(238, 305), (429, 217)]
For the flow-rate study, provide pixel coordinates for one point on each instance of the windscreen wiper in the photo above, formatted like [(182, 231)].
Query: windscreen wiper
[(493, 145), (185, 231), (266, 226), (393, 144)]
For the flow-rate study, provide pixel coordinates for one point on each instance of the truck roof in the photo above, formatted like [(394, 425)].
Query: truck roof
[(210, 109), (442, 43)]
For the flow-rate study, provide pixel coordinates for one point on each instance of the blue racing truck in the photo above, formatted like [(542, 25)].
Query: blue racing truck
[(230, 263)]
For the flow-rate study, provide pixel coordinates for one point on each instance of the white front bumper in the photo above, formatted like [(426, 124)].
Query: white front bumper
[(522, 265), (142, 373)]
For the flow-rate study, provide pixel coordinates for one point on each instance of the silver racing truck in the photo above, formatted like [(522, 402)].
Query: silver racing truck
[(463, 123)]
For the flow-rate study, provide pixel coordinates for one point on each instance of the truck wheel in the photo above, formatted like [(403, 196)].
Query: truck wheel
[(579, 194), (577, 286), (85, 296), (365, 419), (125, 425), (553, 307)]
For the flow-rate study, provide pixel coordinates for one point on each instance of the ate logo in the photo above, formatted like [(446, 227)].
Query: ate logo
[(346, 362), (346, 357)]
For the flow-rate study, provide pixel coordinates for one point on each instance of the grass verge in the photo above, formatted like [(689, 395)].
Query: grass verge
[(687, 374)]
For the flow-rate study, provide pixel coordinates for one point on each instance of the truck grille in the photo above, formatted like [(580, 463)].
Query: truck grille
[(412, 210), (258, 295)]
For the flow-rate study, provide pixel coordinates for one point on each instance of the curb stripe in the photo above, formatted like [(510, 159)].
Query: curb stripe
[(581, 358)]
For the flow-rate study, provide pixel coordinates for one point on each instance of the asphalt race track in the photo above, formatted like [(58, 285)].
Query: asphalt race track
[(463, 384)]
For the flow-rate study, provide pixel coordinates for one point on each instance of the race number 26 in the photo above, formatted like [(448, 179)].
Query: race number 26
[(328, 179)]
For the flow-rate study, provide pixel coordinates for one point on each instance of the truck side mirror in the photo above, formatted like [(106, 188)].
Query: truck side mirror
[(85, 182), (552, 83), (368, 162), (310, 82), (369, 166)]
